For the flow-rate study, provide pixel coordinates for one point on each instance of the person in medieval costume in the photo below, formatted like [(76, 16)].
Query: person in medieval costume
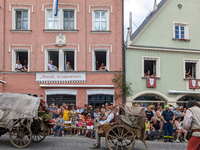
[(109, 119), (43, 112), (192, 122)]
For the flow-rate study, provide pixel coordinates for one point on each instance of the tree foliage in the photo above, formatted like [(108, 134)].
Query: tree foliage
[(123, 86)]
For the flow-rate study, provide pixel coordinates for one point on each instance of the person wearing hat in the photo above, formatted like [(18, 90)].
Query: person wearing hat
[(176, 112), (168, 119), (179, 129), (192, 122), (43, 112), (89, 124), (110, 118)]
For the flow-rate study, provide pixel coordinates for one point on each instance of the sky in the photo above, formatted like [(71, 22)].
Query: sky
[(140, 9)]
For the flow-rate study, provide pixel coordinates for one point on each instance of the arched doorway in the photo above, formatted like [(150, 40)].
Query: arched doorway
[(149, 99), (185, 99)]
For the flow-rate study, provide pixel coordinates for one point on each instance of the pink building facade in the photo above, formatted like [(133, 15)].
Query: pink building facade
[(83, 32)]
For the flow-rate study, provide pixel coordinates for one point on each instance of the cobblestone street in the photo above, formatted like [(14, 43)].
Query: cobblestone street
[(81, 143)]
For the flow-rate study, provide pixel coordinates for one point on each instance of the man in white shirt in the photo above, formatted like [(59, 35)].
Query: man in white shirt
[(109, 119), (18, 66), (192, 122), (51, 66)]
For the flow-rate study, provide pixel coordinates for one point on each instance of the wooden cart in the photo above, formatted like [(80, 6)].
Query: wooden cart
[(22, 130), (129, 125)]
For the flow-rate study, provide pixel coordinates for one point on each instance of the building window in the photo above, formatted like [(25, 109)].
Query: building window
[(52, 21), (151, 67), (21, 61), (100, 60), (69, 19), (181, 31), (190, 70), (69, 63), (98, 100), (53, 60), (60, 60), (21, 19), (65, 19), (59, 99), (101, 20)]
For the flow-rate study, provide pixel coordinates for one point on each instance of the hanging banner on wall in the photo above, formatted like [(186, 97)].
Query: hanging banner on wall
[(151, 82), (193, 84), (60, 77)]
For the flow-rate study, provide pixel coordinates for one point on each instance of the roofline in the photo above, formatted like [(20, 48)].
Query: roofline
[(143, 27), (162, 49)]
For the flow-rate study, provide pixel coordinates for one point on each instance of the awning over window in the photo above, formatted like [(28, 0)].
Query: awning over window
[(100, 91)]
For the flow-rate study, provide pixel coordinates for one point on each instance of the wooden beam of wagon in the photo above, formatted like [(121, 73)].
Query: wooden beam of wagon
[(73, 127)]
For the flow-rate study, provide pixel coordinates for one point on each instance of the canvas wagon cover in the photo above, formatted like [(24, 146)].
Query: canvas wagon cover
[(133, 117), (17, 106)]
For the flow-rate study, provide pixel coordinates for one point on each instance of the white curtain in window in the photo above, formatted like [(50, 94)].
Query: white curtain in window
[(71, 19), (50, 20), (103, 21), (97, 20), (25, 20), (100, 20)]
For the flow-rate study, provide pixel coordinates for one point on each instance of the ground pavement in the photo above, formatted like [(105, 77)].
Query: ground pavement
[(80, 143)]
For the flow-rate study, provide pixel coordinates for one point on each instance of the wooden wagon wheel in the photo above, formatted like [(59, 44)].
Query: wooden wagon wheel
[(37, 138), (120, 137), (20, 136)]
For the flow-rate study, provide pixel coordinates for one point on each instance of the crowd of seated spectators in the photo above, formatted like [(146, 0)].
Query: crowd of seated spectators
[(154, 122), (82, 117)]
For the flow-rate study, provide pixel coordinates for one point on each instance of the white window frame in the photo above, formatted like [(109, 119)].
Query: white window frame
[(14, 61), (62, 61), (186, 60), (94, 58), (60, 58), (46, 18), (181, 24), (157, 59), (14, 17), (93, 19), (61, 18)]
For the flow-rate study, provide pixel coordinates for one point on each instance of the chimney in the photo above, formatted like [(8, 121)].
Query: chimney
[(155, 5), (130, 23)]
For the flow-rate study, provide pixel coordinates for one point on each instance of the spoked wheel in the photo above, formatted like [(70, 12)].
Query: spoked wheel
[(21, 136), (38, 138), (120, 137)]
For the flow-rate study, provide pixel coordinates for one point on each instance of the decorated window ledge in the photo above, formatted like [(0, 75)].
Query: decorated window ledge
[(150, 77), (187, 40)]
